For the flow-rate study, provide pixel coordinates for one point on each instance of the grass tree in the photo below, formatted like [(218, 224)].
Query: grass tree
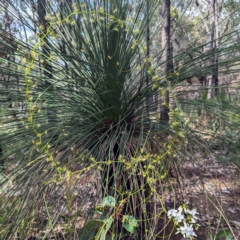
[(86, 116)]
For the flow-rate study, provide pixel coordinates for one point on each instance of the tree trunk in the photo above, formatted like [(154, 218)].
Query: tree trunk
[(213, 82), (166, 57), (216, 42)]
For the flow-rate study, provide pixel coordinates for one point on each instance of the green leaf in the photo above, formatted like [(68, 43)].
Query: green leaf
[(224, 233), (106, 228), (92, 224), (103, 217), (130, 223), (99, 209), (89, 230), (109, 201)]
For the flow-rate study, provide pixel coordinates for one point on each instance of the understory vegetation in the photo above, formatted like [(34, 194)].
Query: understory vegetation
[(119, 120)]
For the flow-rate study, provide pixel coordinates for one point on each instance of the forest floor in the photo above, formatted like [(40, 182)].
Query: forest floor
[(210, 187), (214, 190)]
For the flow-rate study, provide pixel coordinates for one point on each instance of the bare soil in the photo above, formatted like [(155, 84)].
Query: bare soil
[(214, 190)]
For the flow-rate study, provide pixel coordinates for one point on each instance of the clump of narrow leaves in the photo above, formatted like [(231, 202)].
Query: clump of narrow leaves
[(79, 102)]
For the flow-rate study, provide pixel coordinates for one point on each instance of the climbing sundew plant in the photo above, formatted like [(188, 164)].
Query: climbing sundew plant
[(81, 124)]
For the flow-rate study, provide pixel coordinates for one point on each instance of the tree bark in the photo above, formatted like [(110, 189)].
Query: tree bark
[(148, 79), (166, 57), (213, 82)]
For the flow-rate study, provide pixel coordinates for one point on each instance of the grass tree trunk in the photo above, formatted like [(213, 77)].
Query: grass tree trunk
[(166, 57)]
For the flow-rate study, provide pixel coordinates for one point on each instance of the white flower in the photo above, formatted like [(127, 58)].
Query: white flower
[(193, 212), (193, 220), (176, 214), (186, 231), (172, 213), (180, 209)]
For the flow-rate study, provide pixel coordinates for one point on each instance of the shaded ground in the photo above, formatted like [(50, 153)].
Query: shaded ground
[(208, 186), (211, 188), (214, 190)]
